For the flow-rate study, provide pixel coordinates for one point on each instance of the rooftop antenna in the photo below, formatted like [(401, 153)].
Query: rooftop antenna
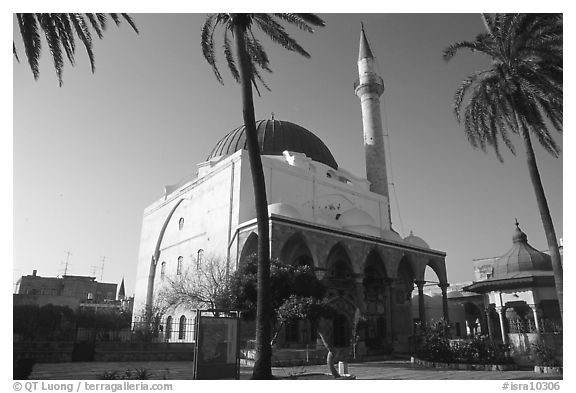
[(68, 253), (101, 268)]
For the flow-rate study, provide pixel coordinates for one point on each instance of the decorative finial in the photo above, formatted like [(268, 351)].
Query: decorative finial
[(517, 224), (272, 115)]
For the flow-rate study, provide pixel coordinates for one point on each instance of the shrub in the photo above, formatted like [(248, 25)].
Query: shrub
[(481, 350), (434, 343), (137, 374), (545, 355)]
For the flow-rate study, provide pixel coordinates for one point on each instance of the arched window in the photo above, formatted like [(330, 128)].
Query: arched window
[(179, 265), (162, 270), (182, 328), (168, 328), (181, 223), (199, 257)]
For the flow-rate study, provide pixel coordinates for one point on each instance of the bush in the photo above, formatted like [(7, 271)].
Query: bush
[(435, 345), (434, 342), (136, 374), (545, 355), (481, 350)]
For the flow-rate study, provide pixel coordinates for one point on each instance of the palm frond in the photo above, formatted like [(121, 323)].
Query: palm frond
[(130, 21), (14, 52), (66, 35), (48, 25), (31, 39), (83, 33), (276, 33), (95, 24), (207, 44), (230, 57)]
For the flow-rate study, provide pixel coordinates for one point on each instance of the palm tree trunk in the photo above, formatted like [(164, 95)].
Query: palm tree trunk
[(263, 357), (545, 215), (330, 356)]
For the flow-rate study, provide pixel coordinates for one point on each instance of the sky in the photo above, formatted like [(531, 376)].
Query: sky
[(89, 156)]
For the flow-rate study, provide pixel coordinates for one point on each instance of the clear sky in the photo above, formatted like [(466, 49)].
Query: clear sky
[(89, 156)]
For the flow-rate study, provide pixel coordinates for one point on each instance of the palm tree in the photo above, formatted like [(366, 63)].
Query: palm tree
[(521, 92), (251, 57), (60, 31)]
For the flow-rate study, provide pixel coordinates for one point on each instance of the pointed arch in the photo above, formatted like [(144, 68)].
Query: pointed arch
[(339, 265), (439, 268), (250, 249), (295, 251), (374, 266), (154, 263)]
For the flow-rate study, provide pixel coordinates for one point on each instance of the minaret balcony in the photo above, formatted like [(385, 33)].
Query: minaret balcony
[(369, 83)]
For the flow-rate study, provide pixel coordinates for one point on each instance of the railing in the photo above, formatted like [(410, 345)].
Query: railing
[(528, 326)]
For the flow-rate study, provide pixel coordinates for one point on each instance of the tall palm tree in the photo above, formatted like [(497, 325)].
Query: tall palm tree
[(60, 31), (521, 92), (244, 65)]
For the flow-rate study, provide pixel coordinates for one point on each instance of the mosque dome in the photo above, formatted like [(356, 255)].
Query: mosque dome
[(391, 235), (357, 220), (274, 137), (355, 216), (416, 241), (284, 209), (522, 259)]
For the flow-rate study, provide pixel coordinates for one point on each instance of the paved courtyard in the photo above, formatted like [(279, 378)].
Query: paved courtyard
[(389, 370)]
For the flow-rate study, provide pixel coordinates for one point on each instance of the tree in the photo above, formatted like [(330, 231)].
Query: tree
[(250, 56), (60, 31), (297, 294), (313, 309), (206, 285), (521, 92)]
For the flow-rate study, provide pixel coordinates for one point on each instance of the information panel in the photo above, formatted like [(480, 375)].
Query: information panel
[(217, 347)]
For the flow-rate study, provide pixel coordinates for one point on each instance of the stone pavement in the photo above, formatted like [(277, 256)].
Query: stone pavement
[(389, 369)]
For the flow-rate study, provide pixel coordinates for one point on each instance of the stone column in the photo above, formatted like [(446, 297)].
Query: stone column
[(389, 305), (502, 317), (444, 287), (359, 287), (489, 323), (535, 313), (421, 304)]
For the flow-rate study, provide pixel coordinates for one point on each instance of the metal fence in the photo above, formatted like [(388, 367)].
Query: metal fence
[(528, 326), (139, 332)]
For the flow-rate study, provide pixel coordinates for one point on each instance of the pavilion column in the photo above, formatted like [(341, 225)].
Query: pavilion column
[(444, 287), (489, 323), (359, 286), (502, 317), (421, 304), (535, 313), (389, 305)]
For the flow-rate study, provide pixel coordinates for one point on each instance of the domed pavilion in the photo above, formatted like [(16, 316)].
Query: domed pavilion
[(520, 296)]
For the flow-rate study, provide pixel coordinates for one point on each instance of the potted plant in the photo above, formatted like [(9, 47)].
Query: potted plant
[(546, 360)]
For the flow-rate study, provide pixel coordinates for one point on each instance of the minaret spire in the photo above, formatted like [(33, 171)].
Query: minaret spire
[(369, 88), (364, 51)]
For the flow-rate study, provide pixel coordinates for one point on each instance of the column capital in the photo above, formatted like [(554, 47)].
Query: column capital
[(420, 284), (443, 285)]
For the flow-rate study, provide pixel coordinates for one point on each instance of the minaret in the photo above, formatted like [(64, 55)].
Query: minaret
[(369, 87)]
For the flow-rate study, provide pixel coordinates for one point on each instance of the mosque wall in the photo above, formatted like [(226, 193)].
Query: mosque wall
[(204, 216)]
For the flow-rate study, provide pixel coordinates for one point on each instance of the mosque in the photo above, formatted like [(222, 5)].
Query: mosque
[(319, 215)]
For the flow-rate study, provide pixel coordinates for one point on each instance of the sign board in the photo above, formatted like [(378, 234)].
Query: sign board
[(217, 352)]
